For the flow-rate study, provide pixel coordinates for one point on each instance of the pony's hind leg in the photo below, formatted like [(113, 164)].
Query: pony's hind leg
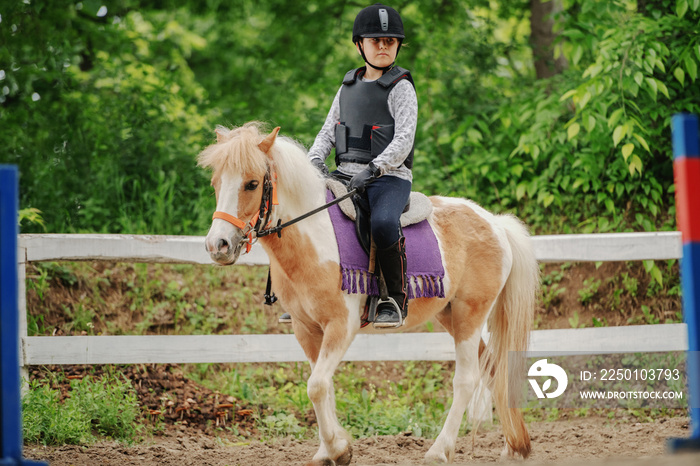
[(466, 379)]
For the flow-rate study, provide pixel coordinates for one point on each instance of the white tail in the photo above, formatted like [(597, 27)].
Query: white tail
[(510, 323)]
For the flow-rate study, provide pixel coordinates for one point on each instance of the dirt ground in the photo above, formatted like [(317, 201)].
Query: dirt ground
[(573, 441)]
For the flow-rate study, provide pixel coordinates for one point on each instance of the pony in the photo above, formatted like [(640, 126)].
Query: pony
[(491, 276)]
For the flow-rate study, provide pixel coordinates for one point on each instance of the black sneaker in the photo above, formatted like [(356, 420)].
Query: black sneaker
[(388, 315), (285, 318)]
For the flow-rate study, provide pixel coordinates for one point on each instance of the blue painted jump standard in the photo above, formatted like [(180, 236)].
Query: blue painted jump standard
[(686, 169), (10, 406)]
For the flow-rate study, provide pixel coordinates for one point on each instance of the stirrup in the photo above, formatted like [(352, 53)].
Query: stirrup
[(382, 325)]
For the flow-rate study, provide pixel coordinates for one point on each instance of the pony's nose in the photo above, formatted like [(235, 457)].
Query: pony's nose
[(222, 245)]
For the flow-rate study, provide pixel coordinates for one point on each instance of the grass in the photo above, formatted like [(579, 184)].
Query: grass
[(413, 399), (372, 399), (105, 407), (589, 290)]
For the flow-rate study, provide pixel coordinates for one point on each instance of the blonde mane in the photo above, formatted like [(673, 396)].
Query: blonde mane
[(237, 151), (230, 152)]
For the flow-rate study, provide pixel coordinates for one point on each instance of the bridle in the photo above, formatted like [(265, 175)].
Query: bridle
[(259, 221)]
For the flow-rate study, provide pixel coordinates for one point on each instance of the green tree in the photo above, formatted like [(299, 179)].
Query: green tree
[(103, 116), (105, 107), (587, 150)]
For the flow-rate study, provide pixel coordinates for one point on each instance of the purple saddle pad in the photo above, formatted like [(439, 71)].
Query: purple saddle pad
[(424, 264)]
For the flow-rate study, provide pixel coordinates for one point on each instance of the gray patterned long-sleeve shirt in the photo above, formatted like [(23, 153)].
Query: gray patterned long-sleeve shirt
[(403, 106)]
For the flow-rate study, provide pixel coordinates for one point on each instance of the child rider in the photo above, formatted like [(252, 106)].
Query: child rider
[(372, 124)]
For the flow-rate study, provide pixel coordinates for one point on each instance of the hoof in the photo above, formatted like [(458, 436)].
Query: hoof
[(324, 462), (506, 454), (345, 458), (433, 458), (438, 455)]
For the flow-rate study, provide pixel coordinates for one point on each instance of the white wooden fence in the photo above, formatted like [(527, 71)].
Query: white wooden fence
[(436, 346)]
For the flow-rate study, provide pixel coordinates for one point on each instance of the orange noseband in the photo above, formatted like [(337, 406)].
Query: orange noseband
[(260, 218), (236, 222)]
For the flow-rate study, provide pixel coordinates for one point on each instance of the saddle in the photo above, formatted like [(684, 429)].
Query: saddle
[(356, 209), (417, 209)]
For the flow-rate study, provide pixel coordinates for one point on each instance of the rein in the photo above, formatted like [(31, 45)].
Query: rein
[(278, 229), (269, 199)]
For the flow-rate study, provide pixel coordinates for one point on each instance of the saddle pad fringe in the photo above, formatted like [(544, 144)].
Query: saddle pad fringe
[(419, 286)]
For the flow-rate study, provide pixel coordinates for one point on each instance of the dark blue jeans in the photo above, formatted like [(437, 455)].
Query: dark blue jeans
[(387, 197)]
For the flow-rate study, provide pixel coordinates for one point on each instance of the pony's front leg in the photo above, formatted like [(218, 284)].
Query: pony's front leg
[(336, 442)]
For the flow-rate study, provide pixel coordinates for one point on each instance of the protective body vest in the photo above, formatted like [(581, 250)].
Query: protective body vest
[(366, 126)]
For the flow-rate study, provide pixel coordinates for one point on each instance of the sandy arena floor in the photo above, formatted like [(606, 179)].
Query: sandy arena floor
[(573, 442)]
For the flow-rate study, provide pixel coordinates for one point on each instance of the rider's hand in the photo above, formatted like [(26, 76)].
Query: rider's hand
[(320, 166), (365, 177)]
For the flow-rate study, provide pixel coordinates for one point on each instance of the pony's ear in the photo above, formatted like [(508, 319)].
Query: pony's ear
[(269, 140), (220, 136)]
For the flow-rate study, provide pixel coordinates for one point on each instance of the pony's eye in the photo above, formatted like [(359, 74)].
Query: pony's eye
[(251, 186)]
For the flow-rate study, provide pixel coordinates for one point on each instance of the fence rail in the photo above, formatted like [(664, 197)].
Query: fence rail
[(190, 249), (283, 348)]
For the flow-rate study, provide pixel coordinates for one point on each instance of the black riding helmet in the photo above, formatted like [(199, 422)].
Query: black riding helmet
[(377, 21)]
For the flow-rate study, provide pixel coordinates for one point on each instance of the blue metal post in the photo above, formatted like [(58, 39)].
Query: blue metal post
[(686, 168), (10, 405)]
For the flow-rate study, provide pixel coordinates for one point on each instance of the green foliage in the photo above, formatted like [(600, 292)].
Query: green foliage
[(32, 215), (39, 283), (81, 318), (47, 421), (588, 150), (551, 293), (648, 316), (551, 288), (281, 425), (102, 117), (104, 114), (653, 269), (603, 322), (46, 272), (76, 297), (110, 403), (575, 321), (415, 401), (589, 290), (107, 407), (630, 284)]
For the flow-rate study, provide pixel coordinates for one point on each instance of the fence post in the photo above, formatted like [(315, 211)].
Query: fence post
[(686, 170), (10, 403)]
